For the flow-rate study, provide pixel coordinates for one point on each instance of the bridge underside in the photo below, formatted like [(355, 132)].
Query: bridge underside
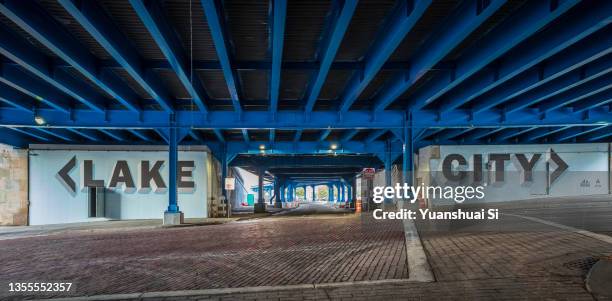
[(366, 81)]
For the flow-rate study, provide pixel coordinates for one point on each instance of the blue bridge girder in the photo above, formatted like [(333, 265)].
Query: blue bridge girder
[(542, 73)]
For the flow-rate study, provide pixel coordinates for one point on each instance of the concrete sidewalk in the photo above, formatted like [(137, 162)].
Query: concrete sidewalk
[(12, 232)]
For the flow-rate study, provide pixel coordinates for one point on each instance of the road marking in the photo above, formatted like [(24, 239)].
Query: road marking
[(600, 237), (418, 266)]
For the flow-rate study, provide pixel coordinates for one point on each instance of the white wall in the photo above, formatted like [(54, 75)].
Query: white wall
[(585, 162), (52, 203)]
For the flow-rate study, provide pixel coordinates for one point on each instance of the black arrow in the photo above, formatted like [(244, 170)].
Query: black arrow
[(65, 177), (561, 166)]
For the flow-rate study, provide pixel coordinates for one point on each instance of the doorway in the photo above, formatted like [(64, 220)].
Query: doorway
[(96, 201)]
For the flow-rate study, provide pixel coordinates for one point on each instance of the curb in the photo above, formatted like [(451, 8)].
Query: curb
[(225, 291)]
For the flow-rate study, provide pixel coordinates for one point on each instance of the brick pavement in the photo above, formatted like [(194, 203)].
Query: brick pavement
[(512, 259), (273, 251)]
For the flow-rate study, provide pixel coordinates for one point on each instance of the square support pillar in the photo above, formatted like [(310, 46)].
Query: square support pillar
[(172, 216), (314, 193), (260, 206), (278, 193)]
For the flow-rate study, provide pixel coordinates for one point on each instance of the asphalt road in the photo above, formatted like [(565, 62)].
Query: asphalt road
[(587, 213)]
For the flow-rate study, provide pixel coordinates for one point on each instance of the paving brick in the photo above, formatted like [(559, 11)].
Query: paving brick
[(268, 252)]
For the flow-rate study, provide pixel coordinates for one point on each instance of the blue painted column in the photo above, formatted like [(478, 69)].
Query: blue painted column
[(341, 192), (173, 159), (330, 192), (172, 216)]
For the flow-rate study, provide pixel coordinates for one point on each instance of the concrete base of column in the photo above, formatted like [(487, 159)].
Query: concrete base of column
[(278, 205), (173, 218), (260, 208)]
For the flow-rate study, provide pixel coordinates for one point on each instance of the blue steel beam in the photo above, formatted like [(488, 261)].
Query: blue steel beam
[(583, 61), (374, 135), (324, 134), (542, 132), (298, 135), (140, 134), (162, 134), (339, 21), (481, 133), (512, 133), (219, 135), (289, 120), (461, 24), (531, 18), (29, 133), (17, 79), (33, 61), (272, 136), (279, 14), (575, 132), (580, 24), (92, 18), (264, 65), (598, 134), (85, 133), (594, 101), (214, 17), (15, 98), (55, 133), (578, 93), (431, 133), (401, 23), (196, 136), (10, 137), (115, 134), (152, 18), (348, 135), (452, 133), (31, 18), (588, 73), (245, 135)]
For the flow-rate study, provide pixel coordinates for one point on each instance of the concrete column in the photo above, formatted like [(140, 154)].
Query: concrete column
[(353, 192), (224, 171), (172, 216), (277, 193), (314, 193), (260, 206), (349, 192)]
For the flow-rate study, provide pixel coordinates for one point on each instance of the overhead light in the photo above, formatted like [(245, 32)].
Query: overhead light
[(39, 120), (262, 147), (333, 146)]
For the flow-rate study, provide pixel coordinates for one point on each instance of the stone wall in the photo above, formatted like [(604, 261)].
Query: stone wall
[(13, 186)]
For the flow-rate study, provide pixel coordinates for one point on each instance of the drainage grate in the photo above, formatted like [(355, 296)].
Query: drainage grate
[(583, 264)]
